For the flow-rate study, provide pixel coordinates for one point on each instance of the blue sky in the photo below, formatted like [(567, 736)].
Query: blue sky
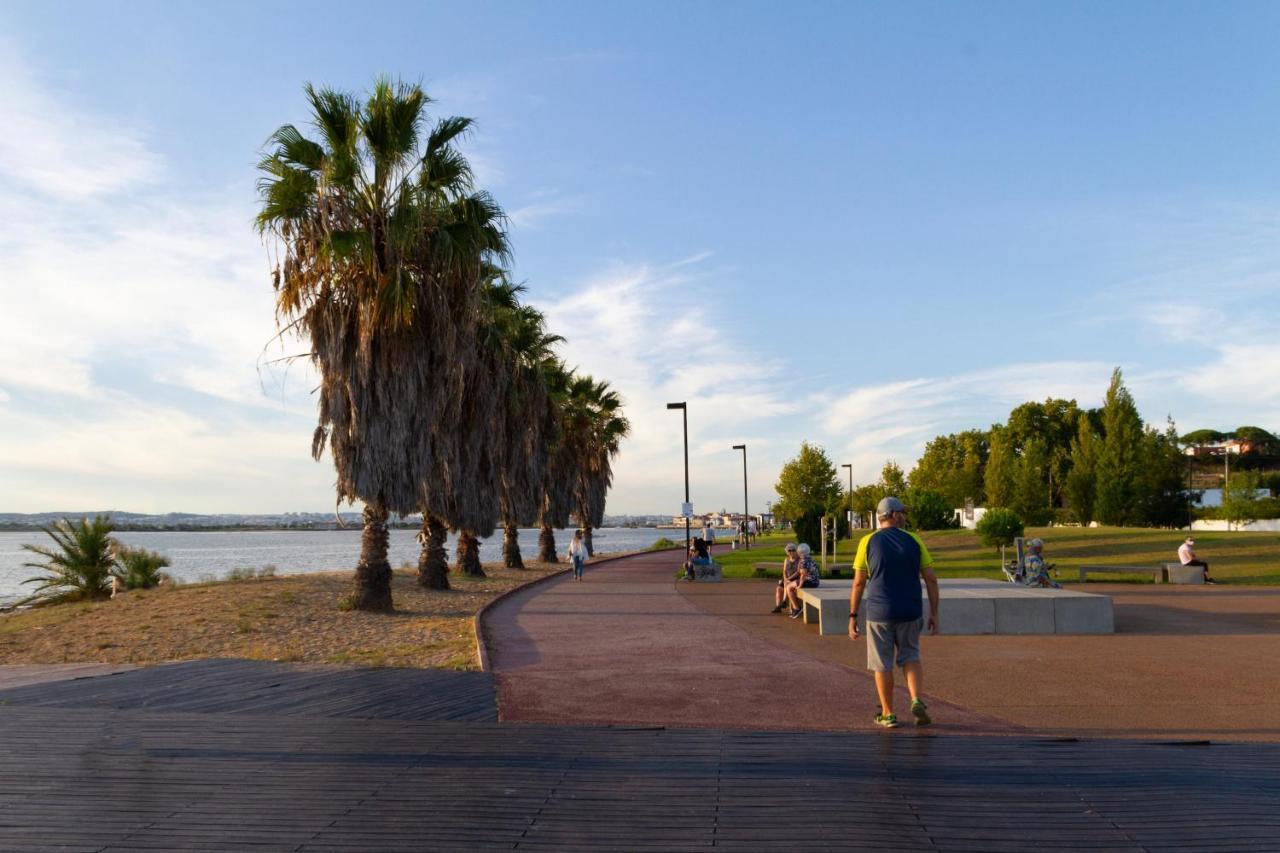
[(860, 225)]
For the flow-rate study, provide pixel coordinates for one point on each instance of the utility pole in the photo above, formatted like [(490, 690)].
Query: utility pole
[(684, 411)]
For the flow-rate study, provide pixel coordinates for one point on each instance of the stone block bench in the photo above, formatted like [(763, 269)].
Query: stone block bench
[(1178, 573), (978, 607), (713, 573), (1157, 572), (834, 569)]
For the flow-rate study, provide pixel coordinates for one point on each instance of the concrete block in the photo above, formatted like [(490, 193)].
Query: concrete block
[(966, 615), (1178, 573), (1024, 615), (1091, 614), (713, 573)]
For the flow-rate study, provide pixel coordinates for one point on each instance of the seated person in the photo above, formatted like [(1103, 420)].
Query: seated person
[(1187, 556), (1035, 572), (790, 574), (799, 572), (699, 555)]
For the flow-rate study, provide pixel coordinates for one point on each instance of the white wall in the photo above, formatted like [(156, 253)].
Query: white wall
[(970, 524), (1266, 525)]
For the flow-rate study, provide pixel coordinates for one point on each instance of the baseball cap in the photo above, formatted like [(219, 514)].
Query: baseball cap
[(890, 505)]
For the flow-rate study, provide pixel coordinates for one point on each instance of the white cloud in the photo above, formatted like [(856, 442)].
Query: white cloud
[(66, 152)]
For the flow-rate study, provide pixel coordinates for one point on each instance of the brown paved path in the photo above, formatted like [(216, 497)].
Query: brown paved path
[(1185, 663), (625, 647)]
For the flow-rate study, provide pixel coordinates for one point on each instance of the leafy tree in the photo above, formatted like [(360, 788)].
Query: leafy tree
[(80, 564), (808, 526), (1119, 459), (1002, 470), (929, 510), (998, 527), (140, 568), (1161, 481), (953, 465), (1264, 443), (1052, 424), (807, 481), (1081, 485), (1030, 488), (1204, 436), (892, 480), (1240, 504)]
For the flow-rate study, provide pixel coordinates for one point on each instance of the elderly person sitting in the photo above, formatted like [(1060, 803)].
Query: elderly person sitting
[(799, 571), (1035, 572)]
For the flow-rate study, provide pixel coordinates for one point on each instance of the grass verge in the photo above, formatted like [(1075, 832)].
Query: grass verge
[(1234, 558)]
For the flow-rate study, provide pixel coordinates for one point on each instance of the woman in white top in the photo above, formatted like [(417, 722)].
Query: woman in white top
[(578, 554)]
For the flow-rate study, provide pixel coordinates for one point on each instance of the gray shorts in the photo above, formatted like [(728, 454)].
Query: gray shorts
[(883, 637)]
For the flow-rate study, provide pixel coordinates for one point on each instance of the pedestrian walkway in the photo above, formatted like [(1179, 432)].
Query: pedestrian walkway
[(624, 646)]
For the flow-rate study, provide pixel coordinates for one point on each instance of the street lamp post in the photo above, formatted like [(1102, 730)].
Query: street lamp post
[(745, 513), (684, 411)]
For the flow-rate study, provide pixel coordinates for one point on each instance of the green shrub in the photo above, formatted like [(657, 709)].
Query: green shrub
[(929, 511), (662, 544), (999, 527), (140, 568), (79, 567), (808, 527)]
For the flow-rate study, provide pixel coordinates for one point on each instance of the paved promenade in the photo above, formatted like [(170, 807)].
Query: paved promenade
[(658, 731)]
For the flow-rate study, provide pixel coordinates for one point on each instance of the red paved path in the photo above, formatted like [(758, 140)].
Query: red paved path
[(624, 647)]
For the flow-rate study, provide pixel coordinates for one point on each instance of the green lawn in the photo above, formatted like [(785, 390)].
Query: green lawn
[(1235, 558)]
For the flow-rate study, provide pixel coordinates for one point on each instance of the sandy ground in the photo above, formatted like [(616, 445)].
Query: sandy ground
[(1185, 663), (287, 618)]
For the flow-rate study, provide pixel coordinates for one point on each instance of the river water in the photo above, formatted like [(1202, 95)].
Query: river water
[(197, 556)]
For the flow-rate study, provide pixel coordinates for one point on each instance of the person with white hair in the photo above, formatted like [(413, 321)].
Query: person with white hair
[(799, 571), (1035, 572)]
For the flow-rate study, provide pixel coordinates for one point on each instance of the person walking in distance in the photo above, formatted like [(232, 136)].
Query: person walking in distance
[(1187, 556), (888, 567), (578, 554)]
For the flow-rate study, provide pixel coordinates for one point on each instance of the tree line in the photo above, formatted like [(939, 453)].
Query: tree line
[(440, 392), (1050, 461)]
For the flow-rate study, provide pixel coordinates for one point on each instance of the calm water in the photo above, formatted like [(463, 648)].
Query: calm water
[(202, 556)]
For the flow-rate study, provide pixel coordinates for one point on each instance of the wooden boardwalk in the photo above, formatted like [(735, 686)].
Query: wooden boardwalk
[(266, 771), (262, 687)]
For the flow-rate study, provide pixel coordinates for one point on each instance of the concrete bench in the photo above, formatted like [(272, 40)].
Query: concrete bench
[(1178, 573), (834, 569), (1157, 572), (978, 607), (713, 573)]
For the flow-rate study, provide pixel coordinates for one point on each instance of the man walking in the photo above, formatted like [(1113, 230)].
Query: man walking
[(888, 567)]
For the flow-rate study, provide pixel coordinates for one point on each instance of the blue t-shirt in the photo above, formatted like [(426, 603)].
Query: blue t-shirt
[(892, 558)]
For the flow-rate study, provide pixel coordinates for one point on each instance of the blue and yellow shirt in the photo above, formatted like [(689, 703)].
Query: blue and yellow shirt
[(893, 559)]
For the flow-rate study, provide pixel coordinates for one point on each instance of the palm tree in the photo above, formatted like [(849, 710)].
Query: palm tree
[(139, 568), (79, 567), (557, 487), (597, 435), (384, 240)]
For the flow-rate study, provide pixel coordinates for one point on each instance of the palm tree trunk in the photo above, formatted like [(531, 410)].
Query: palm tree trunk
[(586, 537), (373, 574), (511, 547), (469, 555), (433, 562), (547, 545)]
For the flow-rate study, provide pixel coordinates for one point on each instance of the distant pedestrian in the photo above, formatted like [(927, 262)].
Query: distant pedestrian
[(1187, 556), (888, 567), (751, 530), (578, 554), (709, 534)]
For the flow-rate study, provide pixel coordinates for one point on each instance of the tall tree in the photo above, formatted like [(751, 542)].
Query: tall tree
[(596, 440), (1002, 468), (953, 466), (1119, 459), (1081, 484), (1030, 487), (383, 241), (807, 482)]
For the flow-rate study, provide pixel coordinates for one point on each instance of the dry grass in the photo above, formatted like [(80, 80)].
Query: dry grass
[(288, 618)]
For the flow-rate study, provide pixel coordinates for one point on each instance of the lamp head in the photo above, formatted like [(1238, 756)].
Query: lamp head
[(739, 447), (675, 405)]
